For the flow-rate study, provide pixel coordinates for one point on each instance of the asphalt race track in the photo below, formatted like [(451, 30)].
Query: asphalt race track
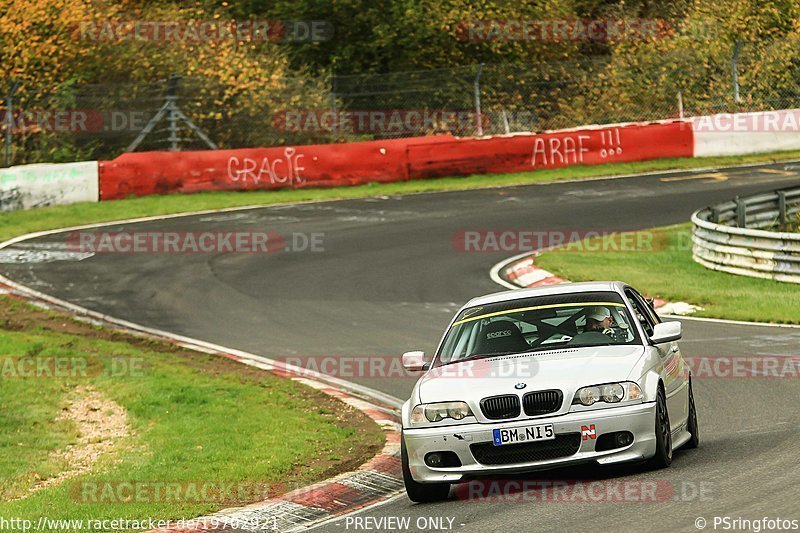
[(389, 280)]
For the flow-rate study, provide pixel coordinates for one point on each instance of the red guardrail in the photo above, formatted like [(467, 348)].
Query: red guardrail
[(521, 153), (333, 165)]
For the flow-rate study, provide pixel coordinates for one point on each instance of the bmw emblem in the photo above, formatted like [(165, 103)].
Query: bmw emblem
[(520, 386)]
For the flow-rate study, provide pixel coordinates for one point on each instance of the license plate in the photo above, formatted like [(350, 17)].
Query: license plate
[(523, 434)]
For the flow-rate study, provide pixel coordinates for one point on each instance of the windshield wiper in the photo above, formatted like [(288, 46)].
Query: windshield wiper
[(477, 356), (599, 344), (571, 346)]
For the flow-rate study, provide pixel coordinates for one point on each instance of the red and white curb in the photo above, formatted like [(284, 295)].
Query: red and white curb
[(377, 480), (522, 272), (525, 273)]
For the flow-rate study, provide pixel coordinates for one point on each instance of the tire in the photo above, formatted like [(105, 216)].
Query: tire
[(663, 456), (691, 425), (420, 492)]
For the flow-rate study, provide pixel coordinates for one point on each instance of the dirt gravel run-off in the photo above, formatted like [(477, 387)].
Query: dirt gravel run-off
[(100, 423)]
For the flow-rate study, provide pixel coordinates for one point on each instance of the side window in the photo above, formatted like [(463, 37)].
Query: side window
[(647, 307), (642, 314)]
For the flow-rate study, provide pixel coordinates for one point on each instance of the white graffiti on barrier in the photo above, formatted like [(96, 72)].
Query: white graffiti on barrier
[(554, 150), (570, 149), (278, 170)]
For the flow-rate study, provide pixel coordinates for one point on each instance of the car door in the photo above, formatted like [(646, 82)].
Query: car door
[(672, 373)]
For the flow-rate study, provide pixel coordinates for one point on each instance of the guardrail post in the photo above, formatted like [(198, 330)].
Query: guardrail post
[(735, 70), (477, 95), (741, 212), (782, 207)]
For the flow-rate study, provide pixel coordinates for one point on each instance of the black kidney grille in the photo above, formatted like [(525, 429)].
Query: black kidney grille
[(501, 407), (542, 402), (563, 445)]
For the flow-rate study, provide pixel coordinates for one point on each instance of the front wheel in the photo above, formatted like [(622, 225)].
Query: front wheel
[(420, 492), (663, 456)]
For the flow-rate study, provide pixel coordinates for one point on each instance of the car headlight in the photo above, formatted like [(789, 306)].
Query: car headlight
[(434, 412), (608, 393)]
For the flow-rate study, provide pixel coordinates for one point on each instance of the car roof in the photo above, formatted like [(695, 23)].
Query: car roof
[(548, 290)]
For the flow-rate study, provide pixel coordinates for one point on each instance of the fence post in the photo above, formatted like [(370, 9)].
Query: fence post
[(477, 90), (680, 104), (333, 103), (172, 115), (741, 212), (10, 119), (735, 70)]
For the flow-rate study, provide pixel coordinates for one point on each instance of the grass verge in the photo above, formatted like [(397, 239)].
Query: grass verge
[(192, 420), (666, 270), (20, 222)]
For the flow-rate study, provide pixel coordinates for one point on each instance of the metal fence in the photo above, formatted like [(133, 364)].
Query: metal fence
[(182, 113), (94, 121), (756, 236)]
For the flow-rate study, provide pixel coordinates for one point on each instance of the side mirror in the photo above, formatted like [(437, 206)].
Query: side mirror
[(414, 361), (666, 332)]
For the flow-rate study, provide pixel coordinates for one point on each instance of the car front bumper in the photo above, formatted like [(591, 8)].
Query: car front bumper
[(638, 419)]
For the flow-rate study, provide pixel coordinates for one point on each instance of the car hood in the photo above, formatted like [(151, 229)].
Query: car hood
[(567, 370)]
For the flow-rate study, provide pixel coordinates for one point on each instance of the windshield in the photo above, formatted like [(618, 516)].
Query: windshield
[(536, 324)]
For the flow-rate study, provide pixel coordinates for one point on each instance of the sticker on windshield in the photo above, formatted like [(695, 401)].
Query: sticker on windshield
[(536, 307), (469, 312)]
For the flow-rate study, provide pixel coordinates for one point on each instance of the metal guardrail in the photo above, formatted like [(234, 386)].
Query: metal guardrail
[(732, 236)]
